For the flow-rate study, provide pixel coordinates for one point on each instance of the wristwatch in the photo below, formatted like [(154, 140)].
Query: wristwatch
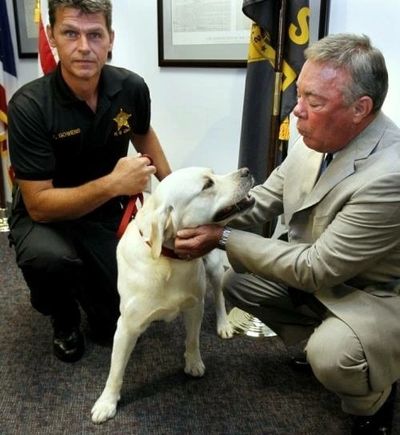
[(224, 237)]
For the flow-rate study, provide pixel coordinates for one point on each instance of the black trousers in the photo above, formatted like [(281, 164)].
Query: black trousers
[(68, 264)]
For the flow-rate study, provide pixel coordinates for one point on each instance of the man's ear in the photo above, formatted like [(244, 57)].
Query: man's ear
[(112, 36), (50, 36), (362, 108)]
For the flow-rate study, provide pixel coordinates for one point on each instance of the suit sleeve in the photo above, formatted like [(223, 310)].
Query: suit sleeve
[(356, 242)]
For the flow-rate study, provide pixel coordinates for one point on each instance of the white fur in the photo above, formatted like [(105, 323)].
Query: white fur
[(155, 287)]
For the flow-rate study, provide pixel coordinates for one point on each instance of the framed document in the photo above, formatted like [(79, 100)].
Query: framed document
[(215, 33), (202, 33), (26, 28)]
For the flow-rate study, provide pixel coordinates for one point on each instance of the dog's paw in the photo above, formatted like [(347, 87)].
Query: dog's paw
[(103, 410), (195, 368), (225, 329)]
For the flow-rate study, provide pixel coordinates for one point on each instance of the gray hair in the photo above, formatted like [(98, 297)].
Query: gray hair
[(86, 6), (365, 64)]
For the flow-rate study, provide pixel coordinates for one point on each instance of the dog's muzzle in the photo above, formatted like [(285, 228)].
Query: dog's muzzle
[(233, 209)]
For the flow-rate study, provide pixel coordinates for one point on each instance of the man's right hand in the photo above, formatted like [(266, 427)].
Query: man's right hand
[(131, 175), (45, 203)]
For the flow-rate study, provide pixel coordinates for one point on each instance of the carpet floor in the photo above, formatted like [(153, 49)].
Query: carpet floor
[(248, 388)]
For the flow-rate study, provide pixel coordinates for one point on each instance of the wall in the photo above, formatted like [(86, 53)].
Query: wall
[(380, 21), (197, 111)]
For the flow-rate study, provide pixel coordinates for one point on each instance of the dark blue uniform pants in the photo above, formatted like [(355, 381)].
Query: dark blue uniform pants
[(69, 263)]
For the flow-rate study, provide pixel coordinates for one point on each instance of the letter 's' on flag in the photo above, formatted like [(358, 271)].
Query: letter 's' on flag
[(47, 55), (258, 117), (8, 85)]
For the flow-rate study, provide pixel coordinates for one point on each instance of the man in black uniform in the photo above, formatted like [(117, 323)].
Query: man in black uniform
[(69, 134)]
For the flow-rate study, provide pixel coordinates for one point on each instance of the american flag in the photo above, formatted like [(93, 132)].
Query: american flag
[(8, 85), (47, 55)]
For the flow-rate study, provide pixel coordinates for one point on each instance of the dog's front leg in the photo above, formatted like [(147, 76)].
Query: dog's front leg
[(193, 317), (215, 271), (124, 343)]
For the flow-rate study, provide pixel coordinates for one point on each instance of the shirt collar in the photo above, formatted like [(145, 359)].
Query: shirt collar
[(108, 86)]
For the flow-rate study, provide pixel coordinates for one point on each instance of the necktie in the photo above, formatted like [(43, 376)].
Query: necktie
[(325, 163)]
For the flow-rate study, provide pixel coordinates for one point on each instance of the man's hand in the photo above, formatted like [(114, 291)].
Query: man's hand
[(131, 175), (196, 242), (45, 203)]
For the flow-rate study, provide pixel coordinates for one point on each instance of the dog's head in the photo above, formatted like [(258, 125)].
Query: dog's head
[(191, 197)]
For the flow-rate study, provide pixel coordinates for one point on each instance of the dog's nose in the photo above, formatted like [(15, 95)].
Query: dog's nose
[(244, 172)]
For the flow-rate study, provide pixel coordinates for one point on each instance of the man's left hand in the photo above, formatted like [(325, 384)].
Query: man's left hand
[(196, 242)]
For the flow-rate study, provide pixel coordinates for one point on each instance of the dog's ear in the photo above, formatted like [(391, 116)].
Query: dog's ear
[(160, 229)]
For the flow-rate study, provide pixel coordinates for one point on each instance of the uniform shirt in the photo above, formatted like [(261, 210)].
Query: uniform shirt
[(54, 135)]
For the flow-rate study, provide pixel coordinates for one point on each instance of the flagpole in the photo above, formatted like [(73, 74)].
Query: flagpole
[(276, 108), (244, 323), (272, 155)]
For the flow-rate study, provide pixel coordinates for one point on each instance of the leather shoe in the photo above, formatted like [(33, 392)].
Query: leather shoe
[(378, 424), (68, 342)]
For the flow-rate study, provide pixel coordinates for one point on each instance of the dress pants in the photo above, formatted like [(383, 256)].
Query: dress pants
[(333, 350), (68, 264)]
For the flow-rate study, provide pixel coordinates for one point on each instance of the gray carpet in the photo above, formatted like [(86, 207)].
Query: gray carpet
[(248, 387)]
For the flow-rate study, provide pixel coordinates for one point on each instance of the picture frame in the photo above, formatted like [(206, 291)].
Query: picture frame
[(178, 46), (175, 50), (26, 29)]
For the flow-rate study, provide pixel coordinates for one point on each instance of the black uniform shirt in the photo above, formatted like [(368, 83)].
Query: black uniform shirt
[(54, 135)]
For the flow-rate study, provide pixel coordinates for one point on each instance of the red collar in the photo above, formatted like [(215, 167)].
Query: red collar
[(131, 208), (169, 253), (129, 213)]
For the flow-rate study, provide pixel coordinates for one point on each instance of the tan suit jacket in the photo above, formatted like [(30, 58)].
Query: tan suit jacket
[(344, 238)]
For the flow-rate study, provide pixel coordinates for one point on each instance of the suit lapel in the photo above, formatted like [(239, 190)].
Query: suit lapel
[(341, 167), (300, 177), (343, 164)]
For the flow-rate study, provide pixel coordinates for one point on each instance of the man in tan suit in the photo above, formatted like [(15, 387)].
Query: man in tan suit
[(336, 281)]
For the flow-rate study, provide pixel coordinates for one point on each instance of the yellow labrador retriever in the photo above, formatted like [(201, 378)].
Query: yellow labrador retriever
[(154, 286)]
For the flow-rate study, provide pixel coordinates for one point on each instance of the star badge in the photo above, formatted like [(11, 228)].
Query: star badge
[(122, 119)]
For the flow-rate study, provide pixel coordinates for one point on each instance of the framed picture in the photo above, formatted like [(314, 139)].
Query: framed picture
[(26, 28), (200, 34), (215, 34)]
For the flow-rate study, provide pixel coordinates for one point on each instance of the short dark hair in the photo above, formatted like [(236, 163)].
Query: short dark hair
[(86, 6), (365, 64)]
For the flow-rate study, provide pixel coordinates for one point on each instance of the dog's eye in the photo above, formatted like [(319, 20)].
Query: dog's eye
[(209, 183)]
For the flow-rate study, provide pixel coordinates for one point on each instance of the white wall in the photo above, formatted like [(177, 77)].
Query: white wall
[(197, 111), (380, 21)]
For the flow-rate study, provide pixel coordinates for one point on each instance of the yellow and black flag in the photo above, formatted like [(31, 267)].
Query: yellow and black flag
[(279, 35)]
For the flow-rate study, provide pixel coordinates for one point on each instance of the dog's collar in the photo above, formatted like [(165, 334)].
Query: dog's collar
[(167, 252), (129, 213), (131, 208), (170, 253)]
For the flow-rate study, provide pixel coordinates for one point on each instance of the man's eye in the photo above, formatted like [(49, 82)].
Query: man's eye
[(70, 34), (95, 35), (209, 183)]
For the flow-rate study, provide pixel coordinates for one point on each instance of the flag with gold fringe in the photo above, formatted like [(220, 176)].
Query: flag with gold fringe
[(8, 85), (279, 35)]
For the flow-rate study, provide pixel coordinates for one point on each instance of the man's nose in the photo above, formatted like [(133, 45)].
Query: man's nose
[(83, 43), (299, 110)]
